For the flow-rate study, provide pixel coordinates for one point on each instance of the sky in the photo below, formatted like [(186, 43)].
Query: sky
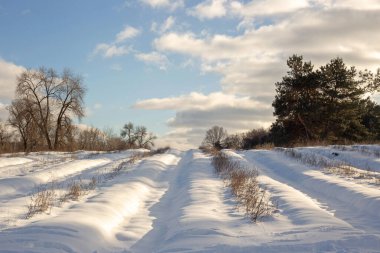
[(180, 67)]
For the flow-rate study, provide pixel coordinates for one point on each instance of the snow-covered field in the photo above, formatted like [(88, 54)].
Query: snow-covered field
[(174, 202)]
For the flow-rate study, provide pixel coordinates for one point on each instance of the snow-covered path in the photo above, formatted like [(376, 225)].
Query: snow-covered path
[(354, 203), (174, 202)]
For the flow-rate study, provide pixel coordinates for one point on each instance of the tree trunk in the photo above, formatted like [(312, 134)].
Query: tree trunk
[(307, 131)]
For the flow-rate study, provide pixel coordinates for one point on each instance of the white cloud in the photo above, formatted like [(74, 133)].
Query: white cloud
[(109, 50), (217, 47), (196, 112), (128, 33), (267, 7), (154, 58), (234, 119), (169, 22), (8, 82), (199, 101), (3, 112), (250, 63), (156, 3), (181, 138), (8, 79), (169, 4), (349, 4), (209, 9), (164, 27), (173, 41)]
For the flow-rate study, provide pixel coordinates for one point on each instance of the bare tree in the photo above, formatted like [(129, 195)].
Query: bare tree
[(5, 136), (20, 119), (233, 141), (91, 139), (137, 136), (143, 138), (215, 137), (128, 132), (51, 100), (113, 141), (69, 100)]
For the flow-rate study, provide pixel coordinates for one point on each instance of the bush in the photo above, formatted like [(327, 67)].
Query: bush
[(332, 166), (215, 137), (244, 186), (209, 150), (75, 190), (160, 150), (41, 201), (234, 141), (256, 137)]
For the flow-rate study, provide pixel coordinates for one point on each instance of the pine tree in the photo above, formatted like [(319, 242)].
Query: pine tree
[(297, 100), (326, 104)]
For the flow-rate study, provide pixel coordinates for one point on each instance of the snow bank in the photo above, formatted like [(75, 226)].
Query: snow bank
[(95, 224), (174, 202)]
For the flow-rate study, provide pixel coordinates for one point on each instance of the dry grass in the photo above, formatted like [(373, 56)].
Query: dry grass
[(42, 200), (267, 146), (354, 173), (160, 150), (209, 150), (244, 186), (115, 171), (311, 159), (74, 190), (45, 197), (362, 149), (336, 167), (344, 170)]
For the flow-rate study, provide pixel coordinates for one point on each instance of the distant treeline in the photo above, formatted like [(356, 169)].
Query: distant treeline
[(328, 105), (41, 118)]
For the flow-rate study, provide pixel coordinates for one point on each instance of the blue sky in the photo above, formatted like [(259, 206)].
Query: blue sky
[(179, 66), (62, 34)]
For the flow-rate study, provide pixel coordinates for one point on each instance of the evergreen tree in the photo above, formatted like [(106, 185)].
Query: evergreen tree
[(341, 93), (371, 118), (296, 102), (325, 104)]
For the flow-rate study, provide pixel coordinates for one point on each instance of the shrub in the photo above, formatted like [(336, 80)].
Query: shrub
[(160, 150), (75, 191), (215, 137), (244, 186), (255, 138), (234, 141), (332, 166), (42, 200)]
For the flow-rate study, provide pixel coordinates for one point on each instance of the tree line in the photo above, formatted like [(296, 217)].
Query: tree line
[(330, 104), (41, 117)]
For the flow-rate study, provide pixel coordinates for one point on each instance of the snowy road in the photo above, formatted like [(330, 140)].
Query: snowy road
[(174, 202)]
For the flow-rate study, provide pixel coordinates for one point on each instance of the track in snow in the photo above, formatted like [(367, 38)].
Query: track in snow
[(174, 202)]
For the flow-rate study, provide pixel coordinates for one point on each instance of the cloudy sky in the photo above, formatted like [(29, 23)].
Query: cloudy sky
[(182, 66)]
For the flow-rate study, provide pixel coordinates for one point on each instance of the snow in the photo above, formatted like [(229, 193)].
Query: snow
[(351, 156), (4, 162), (174, 202)]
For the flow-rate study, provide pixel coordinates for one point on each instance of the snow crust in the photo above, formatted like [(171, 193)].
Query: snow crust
[(174, 202)]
